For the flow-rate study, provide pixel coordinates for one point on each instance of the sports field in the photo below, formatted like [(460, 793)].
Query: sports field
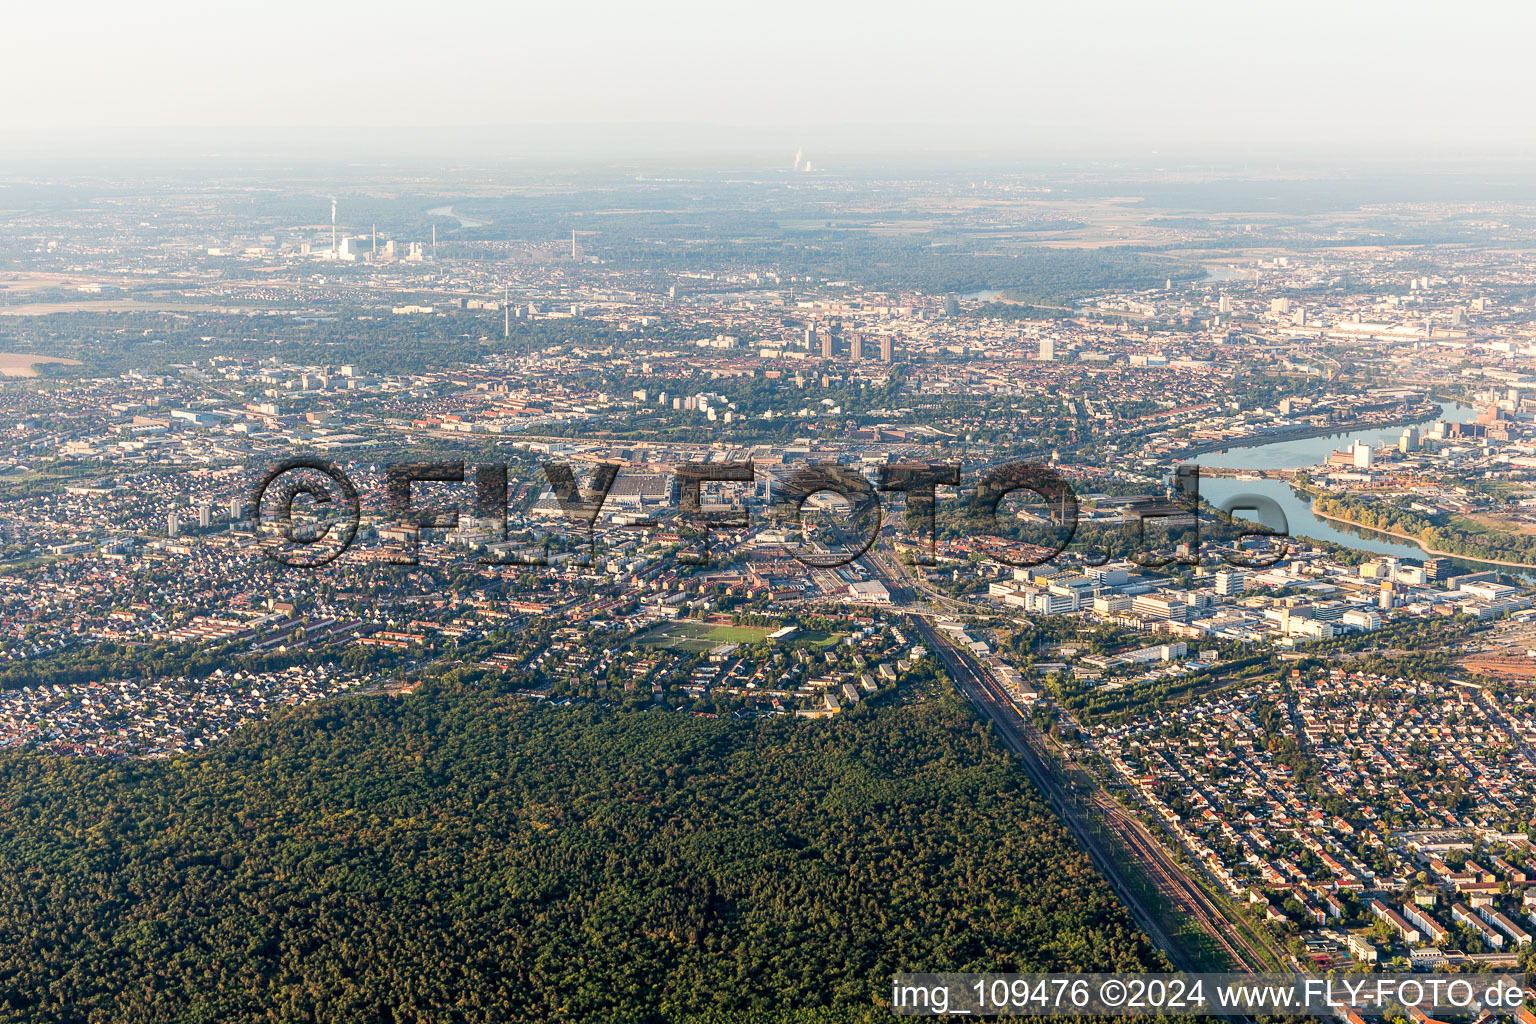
[(701, 636)]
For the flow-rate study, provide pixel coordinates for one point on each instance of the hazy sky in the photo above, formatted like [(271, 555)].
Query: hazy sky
[(1433, 79)]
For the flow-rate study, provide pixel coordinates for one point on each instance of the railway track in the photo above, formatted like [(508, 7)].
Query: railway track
[(1170, 880), (1167, 877), (971, 683)]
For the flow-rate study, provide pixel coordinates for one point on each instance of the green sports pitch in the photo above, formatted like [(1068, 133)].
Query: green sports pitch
[(701, 636)]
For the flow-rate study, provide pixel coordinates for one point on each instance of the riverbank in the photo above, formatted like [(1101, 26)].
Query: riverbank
[(1305, 434), (1299, 520), (1410, 538)]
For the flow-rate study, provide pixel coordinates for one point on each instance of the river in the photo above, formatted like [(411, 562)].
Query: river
[(1313, 451), (1301, 454), (1299, 518), (464, 222)]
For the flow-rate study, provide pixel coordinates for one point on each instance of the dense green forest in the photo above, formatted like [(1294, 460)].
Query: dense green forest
[(1454, 535), (465, 856)]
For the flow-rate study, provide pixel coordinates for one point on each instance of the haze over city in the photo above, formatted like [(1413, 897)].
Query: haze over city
[(811, 513), (689, 79)]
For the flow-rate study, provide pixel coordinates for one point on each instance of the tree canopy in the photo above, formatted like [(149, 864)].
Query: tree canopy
[(467, 856)]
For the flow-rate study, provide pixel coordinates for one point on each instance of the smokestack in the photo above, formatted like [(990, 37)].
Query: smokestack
[(573, 243)]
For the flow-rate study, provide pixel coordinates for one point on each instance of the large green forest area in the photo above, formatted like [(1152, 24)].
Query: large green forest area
[(467, 856)]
